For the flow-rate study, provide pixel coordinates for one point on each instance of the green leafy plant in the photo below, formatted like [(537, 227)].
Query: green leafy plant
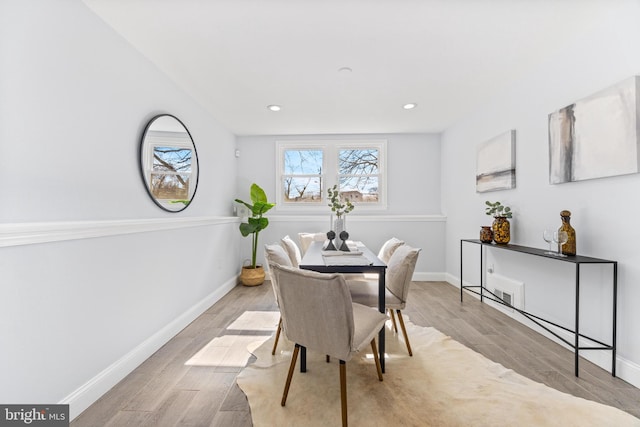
[(497, 209), (256, 222), (337, 205)]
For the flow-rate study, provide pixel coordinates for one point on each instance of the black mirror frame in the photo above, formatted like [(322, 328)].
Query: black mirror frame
[(141, 166)]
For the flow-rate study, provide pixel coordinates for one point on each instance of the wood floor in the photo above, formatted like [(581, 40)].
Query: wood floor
[(163, 391)]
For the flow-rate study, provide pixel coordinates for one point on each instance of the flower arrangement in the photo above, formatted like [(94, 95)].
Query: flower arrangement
[(497, 209), (337, 205)]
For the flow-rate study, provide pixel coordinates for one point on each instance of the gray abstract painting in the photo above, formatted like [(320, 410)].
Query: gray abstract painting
[(496, 163), (597, 136)]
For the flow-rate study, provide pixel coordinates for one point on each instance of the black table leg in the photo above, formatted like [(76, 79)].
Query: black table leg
[(615, 317), (303, 359), (382, 308), (577, 336)]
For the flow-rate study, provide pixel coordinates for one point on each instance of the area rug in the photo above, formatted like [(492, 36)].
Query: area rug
[(443, 384)]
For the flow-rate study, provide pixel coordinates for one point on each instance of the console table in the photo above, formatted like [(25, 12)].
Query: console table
[(578, 260)]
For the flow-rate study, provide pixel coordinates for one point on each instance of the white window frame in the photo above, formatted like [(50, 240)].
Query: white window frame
[(329, 177)]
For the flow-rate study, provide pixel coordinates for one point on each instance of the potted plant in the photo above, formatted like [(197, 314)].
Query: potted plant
[(340, 208), (253, 274), (501, 227)]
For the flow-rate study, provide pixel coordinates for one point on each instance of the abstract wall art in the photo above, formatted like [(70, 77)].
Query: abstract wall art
[(496, 163), (597, 136)]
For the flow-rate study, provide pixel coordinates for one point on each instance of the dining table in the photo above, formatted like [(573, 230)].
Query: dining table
[(359, 259)]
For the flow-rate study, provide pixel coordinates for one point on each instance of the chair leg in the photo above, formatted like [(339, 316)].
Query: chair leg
[(292, 368), (376, 358), (328, 359), (275, 343), (404, 332), (393, 319), (343, 391)]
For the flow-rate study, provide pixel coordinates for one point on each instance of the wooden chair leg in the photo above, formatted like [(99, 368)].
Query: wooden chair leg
[(376, 358), (343, 391), (393, 319), (275, 343), (292, 368), (404, 332)]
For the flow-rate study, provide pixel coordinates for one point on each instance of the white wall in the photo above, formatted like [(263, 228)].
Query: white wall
[(413, 187), (604, 210), (95, 277)]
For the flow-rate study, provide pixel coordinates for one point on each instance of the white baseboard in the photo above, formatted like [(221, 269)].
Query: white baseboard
[(428, 277), (625, 369), (84, 396)]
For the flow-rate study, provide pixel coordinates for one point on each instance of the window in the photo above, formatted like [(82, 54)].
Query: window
[(302, 175), (307, 169)]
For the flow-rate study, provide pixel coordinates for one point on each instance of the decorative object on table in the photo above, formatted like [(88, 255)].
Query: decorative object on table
[(496, 163), (560, 237), (569, 248), (330, 246), (576, 134), (547, 235), (340, 207), (344, 236), (501, 226), (486, 234), (253, 275)]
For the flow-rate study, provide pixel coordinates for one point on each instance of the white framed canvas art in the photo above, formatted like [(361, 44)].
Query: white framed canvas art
[(597, 136), (496, 163)]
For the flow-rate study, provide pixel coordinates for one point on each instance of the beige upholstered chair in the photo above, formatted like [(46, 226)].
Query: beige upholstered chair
[(388, 248), (292, 249), (275, 254), (318, 314), (400, 269), (385, 252), (307, 238)]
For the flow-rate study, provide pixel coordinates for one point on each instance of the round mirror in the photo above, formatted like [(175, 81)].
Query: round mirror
[(169, 163)]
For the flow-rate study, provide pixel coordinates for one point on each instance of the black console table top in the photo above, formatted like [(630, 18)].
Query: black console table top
[(575, 259)]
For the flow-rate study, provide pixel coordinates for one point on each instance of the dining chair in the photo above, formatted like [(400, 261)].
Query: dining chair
[(318, 315), (275, 254), (292, 249), (398, 276), (307, 238), (385, 252), (388, 248)]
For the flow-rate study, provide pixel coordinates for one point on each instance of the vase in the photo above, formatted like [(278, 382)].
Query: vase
[(338, 225), (568, 248), (501, 230), (486, 234)]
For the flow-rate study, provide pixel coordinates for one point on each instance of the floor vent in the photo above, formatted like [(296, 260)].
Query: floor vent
[(504, 296), (508, 290)]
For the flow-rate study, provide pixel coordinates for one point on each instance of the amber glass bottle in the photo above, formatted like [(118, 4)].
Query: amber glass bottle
[(568, 248)]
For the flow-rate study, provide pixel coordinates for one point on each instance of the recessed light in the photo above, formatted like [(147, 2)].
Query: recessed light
[(274, 107), (345, 70), (410, 106)]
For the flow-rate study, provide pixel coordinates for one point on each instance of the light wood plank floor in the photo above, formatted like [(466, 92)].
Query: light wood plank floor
[(163, 391)]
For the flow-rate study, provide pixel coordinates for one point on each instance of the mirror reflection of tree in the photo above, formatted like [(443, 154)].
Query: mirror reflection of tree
[(171, 172)]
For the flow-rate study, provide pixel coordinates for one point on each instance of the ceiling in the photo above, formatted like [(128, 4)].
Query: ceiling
[(236, 57)]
